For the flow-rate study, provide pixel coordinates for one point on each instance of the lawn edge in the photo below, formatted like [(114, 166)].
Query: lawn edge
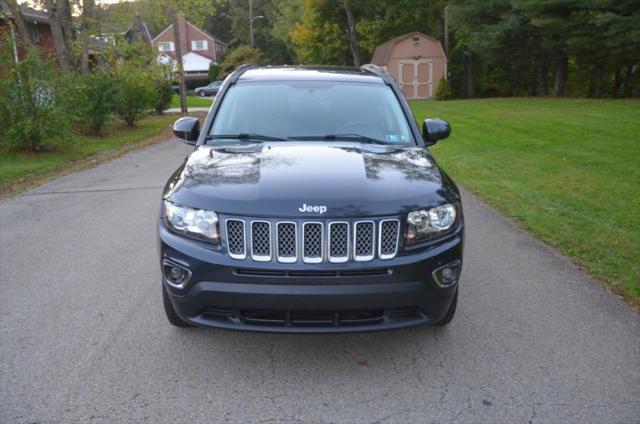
[(609, 286), (13, 188)]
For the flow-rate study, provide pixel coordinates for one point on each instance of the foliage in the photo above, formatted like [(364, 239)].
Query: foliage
[(34, 116), (93, 100), (444, 90), (544, 163), (237, 57), (214, 71), (136, 92), (164, 93)]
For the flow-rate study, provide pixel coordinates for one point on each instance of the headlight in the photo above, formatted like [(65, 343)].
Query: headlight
[(198, 223), (429, 223)]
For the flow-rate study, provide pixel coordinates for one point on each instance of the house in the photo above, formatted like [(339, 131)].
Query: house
[(199, 49), (137, 32), (416, 61), (37, 23)]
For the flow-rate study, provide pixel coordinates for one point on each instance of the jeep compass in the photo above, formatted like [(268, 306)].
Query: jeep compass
[(310, 204)]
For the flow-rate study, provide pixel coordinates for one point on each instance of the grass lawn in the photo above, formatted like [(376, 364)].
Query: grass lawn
[(192, 101), (567, 170), (22, 170)]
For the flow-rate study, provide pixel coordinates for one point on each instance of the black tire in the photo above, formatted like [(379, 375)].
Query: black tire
[(172, 316), (450, 313), (202, 94)]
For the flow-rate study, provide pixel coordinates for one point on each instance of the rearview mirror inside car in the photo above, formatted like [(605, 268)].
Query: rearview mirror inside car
[(188, 129), (434, 130)]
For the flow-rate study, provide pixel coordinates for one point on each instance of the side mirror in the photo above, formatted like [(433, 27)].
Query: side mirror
[(188, 129), (434, 130)]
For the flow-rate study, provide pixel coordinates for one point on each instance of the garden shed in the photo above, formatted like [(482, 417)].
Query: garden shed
[(416, 61)]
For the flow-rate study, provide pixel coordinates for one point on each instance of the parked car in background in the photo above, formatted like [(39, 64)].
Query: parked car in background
[(209, 90)]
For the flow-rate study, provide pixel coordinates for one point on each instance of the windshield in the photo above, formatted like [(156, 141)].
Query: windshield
[(310, 110)]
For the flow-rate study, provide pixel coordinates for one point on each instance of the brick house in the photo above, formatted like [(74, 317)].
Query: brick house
[(199, 49), (37, 22)]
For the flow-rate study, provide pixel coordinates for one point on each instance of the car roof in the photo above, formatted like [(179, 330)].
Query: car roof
[(309, 73)]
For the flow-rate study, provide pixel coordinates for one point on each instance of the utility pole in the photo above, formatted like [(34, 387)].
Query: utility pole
[(178, 46), (251, 19)]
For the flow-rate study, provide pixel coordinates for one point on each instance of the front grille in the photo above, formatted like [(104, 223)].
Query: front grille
[(312, 241)]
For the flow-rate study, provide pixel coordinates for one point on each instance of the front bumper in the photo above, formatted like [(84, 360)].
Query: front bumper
[(303, 298)]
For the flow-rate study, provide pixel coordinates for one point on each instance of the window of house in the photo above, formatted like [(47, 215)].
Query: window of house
[(199, 45), (166, 46)]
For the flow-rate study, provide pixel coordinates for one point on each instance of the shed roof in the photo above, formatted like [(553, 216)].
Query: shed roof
[(383, 52)]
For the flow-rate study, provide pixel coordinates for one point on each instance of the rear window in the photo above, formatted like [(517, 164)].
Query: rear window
[(289, 109)]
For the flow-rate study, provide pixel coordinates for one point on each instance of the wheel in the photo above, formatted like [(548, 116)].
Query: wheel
[(172, 316), (450, 313), (202, 94)]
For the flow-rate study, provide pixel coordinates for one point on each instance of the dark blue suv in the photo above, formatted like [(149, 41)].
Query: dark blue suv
[(310, 204)]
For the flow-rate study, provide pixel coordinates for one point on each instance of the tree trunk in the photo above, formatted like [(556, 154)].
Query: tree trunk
[(87, 16), (21, 25), (562, 65), (598, 82), (471, 76), (59, 39), (352, 35), (541, 77), (617, 82), (178, 37)]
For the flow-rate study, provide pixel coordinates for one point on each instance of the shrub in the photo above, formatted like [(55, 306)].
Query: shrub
[(214, 71), (136, 91), (239, 56), (33, 116), (444, 91), (95, 100), (164, 92)]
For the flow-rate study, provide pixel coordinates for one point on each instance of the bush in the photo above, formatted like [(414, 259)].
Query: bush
[(95, 101), (34, 118), (237, 57), (214, 71), (444, 91), (164, 92), (136, 93)]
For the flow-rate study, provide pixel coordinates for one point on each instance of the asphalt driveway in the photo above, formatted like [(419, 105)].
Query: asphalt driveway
[(83, 336)]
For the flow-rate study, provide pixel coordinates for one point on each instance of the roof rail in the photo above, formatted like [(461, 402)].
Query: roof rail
[(375, 69), (235, 75)]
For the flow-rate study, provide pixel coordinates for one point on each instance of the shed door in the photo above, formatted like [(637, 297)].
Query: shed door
[(416, 78)]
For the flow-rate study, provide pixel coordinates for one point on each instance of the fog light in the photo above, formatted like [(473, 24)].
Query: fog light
[(447, 276), (175, 275)]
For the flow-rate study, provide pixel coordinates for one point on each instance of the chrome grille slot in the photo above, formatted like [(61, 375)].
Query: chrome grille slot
[(363, 241), (388, 238), (338, 242), (286, 242), (235, 239), (261, 241), (312, 242)]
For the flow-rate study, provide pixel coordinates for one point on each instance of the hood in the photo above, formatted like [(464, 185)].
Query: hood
[(308, 179)]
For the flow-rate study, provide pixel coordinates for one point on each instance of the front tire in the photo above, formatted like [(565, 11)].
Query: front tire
[(202, 94), (450, 312), (172, 316)]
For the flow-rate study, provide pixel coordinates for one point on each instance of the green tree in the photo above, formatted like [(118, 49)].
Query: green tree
[(237, 57)]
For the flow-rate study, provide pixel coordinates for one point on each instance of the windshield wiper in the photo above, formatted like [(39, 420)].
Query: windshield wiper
[(344, 137), (244, 136)]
